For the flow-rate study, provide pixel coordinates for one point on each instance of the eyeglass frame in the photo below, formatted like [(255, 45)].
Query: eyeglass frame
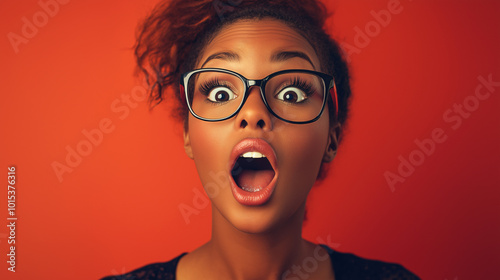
[(261, 83)]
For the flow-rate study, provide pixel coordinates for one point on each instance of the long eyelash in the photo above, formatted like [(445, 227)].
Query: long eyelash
[(207, 86), (305, 86)]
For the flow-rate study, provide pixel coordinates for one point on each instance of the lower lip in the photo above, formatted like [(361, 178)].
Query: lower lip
[(253, 198)]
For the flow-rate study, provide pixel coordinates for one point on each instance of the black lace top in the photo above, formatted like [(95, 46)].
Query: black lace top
[(346, 267)]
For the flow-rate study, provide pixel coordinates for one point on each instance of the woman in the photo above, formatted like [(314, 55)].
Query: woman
[(263, 95)]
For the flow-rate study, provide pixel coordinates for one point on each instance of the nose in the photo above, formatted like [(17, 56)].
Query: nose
[(254, 113)]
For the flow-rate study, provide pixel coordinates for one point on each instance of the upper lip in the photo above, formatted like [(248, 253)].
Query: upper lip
[(253, 145)]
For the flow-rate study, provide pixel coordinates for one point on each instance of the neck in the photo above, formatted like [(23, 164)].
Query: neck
[(242, 255)]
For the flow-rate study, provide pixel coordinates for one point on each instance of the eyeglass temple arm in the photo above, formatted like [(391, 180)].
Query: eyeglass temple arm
[(333, 94), (182, 93)]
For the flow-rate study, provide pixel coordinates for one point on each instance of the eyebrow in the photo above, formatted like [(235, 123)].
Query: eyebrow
[(279, 56), (230, 56), (286, 55)]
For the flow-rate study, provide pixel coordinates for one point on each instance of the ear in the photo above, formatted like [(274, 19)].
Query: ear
[(187, 143), (332, 143)]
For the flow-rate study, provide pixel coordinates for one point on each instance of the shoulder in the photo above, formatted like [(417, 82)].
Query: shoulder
[(157, 271), (350, 266)]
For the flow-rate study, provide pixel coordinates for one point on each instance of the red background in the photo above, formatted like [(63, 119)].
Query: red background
[(119, 208)]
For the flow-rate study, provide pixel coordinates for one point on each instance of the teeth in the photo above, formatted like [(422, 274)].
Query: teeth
[(253, 155), (250, 190)]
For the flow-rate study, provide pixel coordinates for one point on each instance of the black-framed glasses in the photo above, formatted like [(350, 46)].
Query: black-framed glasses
[(295, 96)]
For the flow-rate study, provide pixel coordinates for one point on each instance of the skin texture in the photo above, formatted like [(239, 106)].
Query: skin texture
[(260, 242)]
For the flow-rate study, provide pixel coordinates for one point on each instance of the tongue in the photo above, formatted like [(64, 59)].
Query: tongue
[(254, 180)]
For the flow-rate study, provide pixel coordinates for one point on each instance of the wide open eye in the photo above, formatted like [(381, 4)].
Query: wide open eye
[(291, 95), (221, 94)]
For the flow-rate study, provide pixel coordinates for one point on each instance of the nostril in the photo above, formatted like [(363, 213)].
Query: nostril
[(260, 124), (243, 124)]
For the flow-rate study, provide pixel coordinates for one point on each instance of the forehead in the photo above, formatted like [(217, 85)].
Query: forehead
[(259, 37)]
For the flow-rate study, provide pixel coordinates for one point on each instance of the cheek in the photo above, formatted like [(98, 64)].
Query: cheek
[(302, 149), (209, 150)]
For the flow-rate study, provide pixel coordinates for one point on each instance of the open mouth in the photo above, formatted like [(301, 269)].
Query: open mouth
[(252, 172)]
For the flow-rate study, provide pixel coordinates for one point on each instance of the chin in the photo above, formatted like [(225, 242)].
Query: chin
[(254, 223), (262, 219)]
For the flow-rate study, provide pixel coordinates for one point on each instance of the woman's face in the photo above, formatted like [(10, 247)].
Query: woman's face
[(249, 199)]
